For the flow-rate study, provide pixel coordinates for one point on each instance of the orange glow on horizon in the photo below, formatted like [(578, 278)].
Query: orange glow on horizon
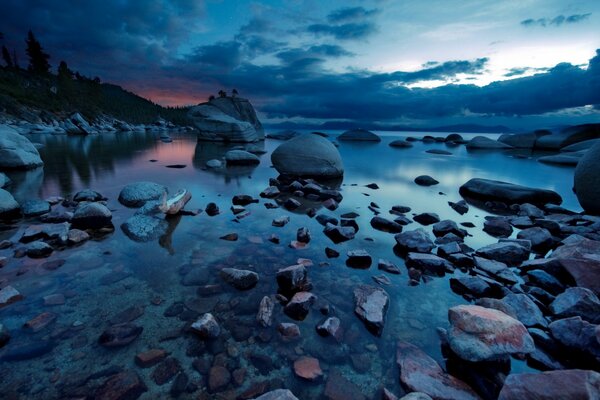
[(170, 99)]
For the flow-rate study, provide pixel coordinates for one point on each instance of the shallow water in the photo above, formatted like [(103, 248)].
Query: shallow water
[(105, 276)]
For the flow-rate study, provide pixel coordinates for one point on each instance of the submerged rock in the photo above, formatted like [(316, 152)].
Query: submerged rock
[(16, 151), (371, 305), (308, 368), (265, 312), (239, 278), (425, 180), (509, 193), (359, 135), (138, 193), (552, 385), (126, 385), (9, 295), (120, 335), (240, 157), (143, 228), (308, 156), (206, 327)]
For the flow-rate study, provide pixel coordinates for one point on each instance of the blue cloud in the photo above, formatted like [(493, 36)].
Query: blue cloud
[(349, 31), (350, 14), (556, 21)]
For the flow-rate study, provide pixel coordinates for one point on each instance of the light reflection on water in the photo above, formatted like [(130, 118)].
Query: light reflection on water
[(107, 162)]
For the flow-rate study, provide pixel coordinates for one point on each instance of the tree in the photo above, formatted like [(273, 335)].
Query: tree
[(64, 73), (234, 93), (15, 60), (211, 97), (6, 57), (222, 93), (38, 59)]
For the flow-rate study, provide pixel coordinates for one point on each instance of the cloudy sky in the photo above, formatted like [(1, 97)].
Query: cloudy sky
[(523, 63)]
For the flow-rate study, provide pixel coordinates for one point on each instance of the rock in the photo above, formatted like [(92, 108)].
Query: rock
[(206, 327), (471, 285), (577, 301), (400, 143), (509, 193), (174, 205), (239, 278), (76, 236), (39, 322), (523, 140), (385, 225), (57, 216), (388, 266), (270, 193), (551, 385), (498, 227), (428, 263), (230, 237), (214, 164), (227, 119), (427, 218), (291, 204), (265, 312), (126, 385), (438, 152), (483, 142), (4, 180), (569, 136), (91, 216), (166, 370), (330, 327), (496, 269), (9, 208), (505, 252), (371, 305), (240, 157), (292, 279), (414, 241), (144, 228), (420, 373), (87, 195), (577, 335), (308, 368), (299, 306), (546, 281), (243, 200), (460, 207), (330, 204), (138, 193), (9, 295), (308, 156), (568, 159), (540, 238), (279, 394), (359, 135), (358, 259), (587, 181), (303, 235), (482, 334), (34, 208), (338, 387), (16, 151), (288, 330), (150, 358), (52, 232), (425, 180), (447, 226), (281, 221), (283, 135), (4, 336), (518, 306), (38, 249), (120, 335), (339, 234), (331, 253)]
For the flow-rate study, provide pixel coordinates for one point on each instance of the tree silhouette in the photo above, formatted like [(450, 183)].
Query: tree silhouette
[(38, 59), (6, 57), (15, 60), (222, 93), (211, 97), (64, 72), (234, 93)]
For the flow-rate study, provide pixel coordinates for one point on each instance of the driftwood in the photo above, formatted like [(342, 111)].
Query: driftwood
[(176, 203)]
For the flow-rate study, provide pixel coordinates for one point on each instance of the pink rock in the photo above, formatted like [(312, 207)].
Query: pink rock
[(308, 368), (40, 322), (551, 385)]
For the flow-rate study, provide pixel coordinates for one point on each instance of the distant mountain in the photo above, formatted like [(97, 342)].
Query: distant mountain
[(341, 125)]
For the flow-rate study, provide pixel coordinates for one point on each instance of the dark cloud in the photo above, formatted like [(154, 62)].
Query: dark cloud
[(556, 21), (350, 14), (349, 31), (313, 52), (518, 71), (221, 54)]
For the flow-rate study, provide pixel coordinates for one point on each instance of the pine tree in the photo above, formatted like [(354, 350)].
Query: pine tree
[(15, 60), (6, 57), (64, 72), (38, 59)]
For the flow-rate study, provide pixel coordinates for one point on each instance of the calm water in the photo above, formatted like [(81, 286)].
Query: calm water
[(104, 277)]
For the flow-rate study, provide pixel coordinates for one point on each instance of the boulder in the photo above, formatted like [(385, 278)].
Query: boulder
[(587, 181), (32, 208), (240, 157), (9, 208), (4, 180), (483, 334), (371, 305), (144, 228), (518, 306), (540, 238), (339, 234), (308, 156), (91, 216), (239, 278), (425, 180), (428, 263), (227, 119), (509, 193), (206, 327), (552, 385), (506, 252), (483, 142), (522, 140), (577, 335), (569, 159), (16, 151), (359, 135), (385, 225), (283, 135), (577, 301), (414, 241), (400, 143), (420, 373), (569, 136), (299, 306), (580, 146), (87, 195), (138, 193)]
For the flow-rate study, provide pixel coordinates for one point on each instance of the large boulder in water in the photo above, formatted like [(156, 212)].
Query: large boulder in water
[(308, 155), (523, 140), (227, 119), (509, 193), (359, 135), (569, 136), (16, 151), (483, 142), (8, 205), (551, 385), (138, 193), (587, 181)]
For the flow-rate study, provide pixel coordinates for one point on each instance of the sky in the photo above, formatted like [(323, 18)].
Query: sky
[(524, 64)]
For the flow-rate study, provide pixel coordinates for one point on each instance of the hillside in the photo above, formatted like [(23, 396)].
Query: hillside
[(35, 97)]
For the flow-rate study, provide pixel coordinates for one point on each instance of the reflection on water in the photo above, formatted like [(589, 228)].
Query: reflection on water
[(104, 277)]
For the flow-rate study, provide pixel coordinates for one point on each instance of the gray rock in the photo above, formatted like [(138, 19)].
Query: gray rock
[(518, 306), (505, 252), (552, 385), (577, 301), (91, 216), (265, 312), (400, 143), (278, 394), (496, 269), (576, 334), (38, 249), (569, 136), (87, 195), (385, 225), (414, 241), (498, 227), (330, 327), (138, 193), (370, 305), (428, 263), (206, 327), (239, 278), (522, 140), (540, 238), (9, 207), (483, 142), (32, 208), (214, 164), (4, 180), (569, 159), (240, 157), (299, 306), (16, 151), (144, 228), (9, 295), (509, 193), (308, 156), (447, 226), (425, 180), (580, 146), (293, 278), (359, 135), (587, 181)]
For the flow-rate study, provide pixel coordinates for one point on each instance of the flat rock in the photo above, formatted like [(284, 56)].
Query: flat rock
[(239, 278), (308, 368), (359, 135), (414, 241), (577, 301), (370, 305), (126, 385), (509, 193), (552, 385), (138, 193), (120, 335)]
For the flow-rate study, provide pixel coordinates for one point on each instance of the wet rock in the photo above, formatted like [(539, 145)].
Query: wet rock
[(57, 216), (16, 151), (281, 221), (330, 327), (358, 259), (34, 208), (577, 301), (505, 252), (87, 195), (518, 306), (91, 216), (76, 236), (497, 227), (9, 208), (126, 385), (330, 204), (339, 234), (231, 237), (308, 368), (239, 278), (420, 373), (303, 235), (38, 249), (359, 135), (484, 142), (270, 193), (240, 157), (428, 263), (496, 269), (265, 312), (385, 225), (577, 335), (166, 370), (288, 331), (540, 238), (243, 200), (326, 219), (338, 387), (414, 241), (278, 394), (292, 279), (39, 322), (446, 250), (586, 185), (480, 334), (150, 358), (425, 180), (331, 253), (447, 226), (206, 327), (27, 351), (546, 281), (299, 306), (551, 385), (371, 305), (212, 209), (473, 286), (52, 232), (120, 335), (214, 164), (427, 218), (138, 193), (387, 266), (291, 204), (490, 190), (144, 228), (460, 207), (308, 155)]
